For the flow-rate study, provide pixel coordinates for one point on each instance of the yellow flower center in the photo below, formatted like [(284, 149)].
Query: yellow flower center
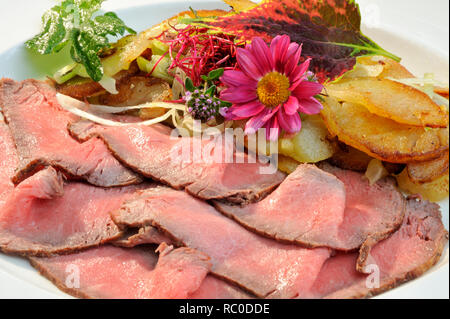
[(273, 89)]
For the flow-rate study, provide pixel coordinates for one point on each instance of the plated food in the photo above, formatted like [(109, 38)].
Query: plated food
[(212, 157)]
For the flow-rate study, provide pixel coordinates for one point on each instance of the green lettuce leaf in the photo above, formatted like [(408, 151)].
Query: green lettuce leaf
[(72, 23)]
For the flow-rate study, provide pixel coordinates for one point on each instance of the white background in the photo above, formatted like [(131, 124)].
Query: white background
[(416, 30)]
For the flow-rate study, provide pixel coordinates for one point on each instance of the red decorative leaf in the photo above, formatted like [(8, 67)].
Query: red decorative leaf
[(328, 29)]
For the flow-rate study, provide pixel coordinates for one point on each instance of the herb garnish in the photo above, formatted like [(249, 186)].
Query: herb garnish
[(201, 101), (72, 23)]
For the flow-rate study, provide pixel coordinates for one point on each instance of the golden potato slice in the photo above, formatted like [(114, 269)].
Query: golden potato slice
[(434, 191), (287, 164), (365, 67), (378, 66), (84, 88), (392, 100), (240, 5), (347, 157), (425, 172), (442, 92), (382, 138), (391, 68), (136, 90), (311, 144)]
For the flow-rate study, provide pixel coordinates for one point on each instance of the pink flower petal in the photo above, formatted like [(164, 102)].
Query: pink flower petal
[(304, 67), (248, 64), (293, 50), (271, 113), (307, 89), (256, 122), (292, 58), (291, 106), (238, 96), (298, 74), (290, 123), (310, 106), (238, 79), (247, 110), (272, 129), (263, 55), (279, 47)]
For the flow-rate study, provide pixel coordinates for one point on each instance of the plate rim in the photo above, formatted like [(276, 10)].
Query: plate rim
[(23, 289)]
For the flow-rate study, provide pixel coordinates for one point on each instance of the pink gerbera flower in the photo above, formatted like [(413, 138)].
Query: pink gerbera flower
[(271, 87)]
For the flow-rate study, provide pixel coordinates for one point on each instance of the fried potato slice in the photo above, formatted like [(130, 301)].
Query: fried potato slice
[(136, 90), (363, 70), (240, 5), (389, 68), (382, 138), (434, 191), (83, 88), (425, 172), (393, 100), (311, 144), (442, 92)]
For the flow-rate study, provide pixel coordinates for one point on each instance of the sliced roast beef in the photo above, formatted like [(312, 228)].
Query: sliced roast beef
[(306, 209), (422, 234), (143, 236), (39, 129), (42, 218), (316, 209), (111, 272), (213, 288), (261, 266), (374, 211), (9, 160), (407, 254), (150, 151)]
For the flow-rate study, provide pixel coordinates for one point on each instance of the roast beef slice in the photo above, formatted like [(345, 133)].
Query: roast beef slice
[(38, 126), (110, 272), (406, 255), (9, 161), (144, 235), (314, 208), (214, 288), (42, 217), (150, 151), (261, 266)]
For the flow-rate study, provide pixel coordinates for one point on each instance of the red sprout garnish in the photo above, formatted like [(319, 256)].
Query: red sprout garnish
[(156, 64), (197, 52)]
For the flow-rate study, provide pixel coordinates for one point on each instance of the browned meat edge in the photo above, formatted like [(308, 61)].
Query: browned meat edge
[(77, 293), (241, 198), (411, 275), (179, 243), (374, 238), (41, 252), (32, 167)]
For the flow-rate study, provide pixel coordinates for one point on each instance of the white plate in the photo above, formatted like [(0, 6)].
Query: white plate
[(416, 30)]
